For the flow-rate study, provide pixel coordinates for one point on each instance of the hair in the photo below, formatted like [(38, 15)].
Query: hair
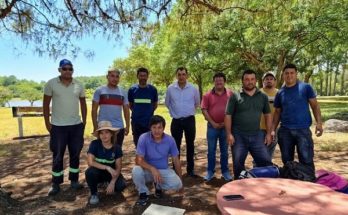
[(219, 75), (290, 66), (113, 136), (181, 68), (155, 119), (142, 69), (248, 72), (114, 70)]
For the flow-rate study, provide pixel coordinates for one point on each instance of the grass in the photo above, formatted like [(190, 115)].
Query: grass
[(36, 125), (331, 107)]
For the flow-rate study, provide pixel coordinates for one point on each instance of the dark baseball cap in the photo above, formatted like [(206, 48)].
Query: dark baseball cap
[(268, 74), (65, 62)]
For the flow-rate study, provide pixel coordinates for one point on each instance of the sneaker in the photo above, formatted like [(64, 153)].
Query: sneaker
[(76, 185), (227, 176), (54, 190), (209, 176), (94, 200), (158, 193), (143, 198)]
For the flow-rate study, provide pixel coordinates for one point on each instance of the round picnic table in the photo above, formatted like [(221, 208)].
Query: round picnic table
[(281, 197)]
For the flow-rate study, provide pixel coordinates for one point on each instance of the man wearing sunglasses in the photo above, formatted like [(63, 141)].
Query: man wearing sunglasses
[(65, 126)]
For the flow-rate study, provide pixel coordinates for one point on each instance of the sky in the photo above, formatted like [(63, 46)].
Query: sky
[(25, 64)]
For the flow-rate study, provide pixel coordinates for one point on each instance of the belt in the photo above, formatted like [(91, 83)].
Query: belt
[(183, 118)]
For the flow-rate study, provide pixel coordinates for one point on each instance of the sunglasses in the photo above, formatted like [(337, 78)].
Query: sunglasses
[(68, 69)]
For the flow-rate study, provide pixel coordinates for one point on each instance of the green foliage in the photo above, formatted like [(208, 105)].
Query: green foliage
[(5, 95)]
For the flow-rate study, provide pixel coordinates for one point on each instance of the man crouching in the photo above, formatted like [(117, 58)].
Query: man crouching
[(153, 149)]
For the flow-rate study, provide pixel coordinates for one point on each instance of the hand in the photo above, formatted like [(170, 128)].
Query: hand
[(181, 191), (110, 189), (126, 130), (273, 135), (156, 176), (230, 139), (111, 171), (48, 126), (319, 130), (268, 139)]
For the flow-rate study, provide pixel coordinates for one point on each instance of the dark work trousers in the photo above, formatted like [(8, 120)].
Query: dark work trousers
[(120, 137), (61, 137), (94, 176), (137, 130), (177, 128)]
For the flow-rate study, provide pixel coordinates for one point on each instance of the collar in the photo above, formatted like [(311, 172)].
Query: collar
[(177, 85), (256, 91), (59, 80), (214, 92)]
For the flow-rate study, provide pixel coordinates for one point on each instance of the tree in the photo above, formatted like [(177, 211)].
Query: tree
[(5, 96)]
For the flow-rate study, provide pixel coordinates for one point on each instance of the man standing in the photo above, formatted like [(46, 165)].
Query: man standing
[(292, 109), (112, 100), (65, 126), (182, 99), (213, 108), (269, 88), (153, 150), (242, 123), (142, 99)]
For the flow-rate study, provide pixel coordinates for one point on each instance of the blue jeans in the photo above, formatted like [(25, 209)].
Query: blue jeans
[(288, 139), (253, 143), (213, 135)]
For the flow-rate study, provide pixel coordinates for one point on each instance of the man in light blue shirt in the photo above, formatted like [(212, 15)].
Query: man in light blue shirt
[(182, 99)]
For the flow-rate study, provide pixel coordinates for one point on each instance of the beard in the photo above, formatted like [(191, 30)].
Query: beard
[(249, 87)]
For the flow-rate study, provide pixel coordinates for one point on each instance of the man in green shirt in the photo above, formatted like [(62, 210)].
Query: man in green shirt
[(242, 124)]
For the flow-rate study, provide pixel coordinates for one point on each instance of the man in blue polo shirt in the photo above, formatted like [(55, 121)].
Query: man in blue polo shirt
[(292, 110), (153, 150), (142, 99)]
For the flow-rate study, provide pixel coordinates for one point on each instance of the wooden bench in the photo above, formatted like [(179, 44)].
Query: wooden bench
[(20, 112)]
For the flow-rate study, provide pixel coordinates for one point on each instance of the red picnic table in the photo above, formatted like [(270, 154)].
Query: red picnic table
[(276, 196)]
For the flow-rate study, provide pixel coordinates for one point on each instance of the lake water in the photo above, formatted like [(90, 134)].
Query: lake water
[(23, 103)]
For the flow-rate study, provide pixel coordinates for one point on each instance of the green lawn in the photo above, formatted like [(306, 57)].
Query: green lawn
[(336, 107)]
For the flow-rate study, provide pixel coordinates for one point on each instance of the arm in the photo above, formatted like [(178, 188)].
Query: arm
[(317, 115), (177, 168), (92, 163), (126, 115), (83, 107), (155, 105), (118, 166), (276, 119), (228, 129), (140, 161), (95, 106), (209, 119), (268, 120), (46, 111)]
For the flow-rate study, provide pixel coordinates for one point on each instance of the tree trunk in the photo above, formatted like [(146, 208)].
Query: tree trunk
[(344, 67), (326, 82), (308, 76), (280, 66), (330, 83), (335, 81), (321, 83)]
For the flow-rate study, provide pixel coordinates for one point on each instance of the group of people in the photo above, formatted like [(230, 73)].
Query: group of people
[(246, 120)]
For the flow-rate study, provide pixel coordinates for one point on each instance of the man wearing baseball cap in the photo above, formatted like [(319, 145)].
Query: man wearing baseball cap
[(65, 125)]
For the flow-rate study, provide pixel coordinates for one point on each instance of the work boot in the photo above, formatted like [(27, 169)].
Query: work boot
[(54, 190)]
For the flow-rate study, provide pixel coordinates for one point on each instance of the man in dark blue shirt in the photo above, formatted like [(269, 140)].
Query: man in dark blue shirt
[(142, 99), (292, 110)]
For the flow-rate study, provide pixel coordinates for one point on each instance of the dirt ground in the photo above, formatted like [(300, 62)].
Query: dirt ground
[(25, 175)]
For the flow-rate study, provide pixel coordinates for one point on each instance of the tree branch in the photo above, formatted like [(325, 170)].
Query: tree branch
[(5, 11)]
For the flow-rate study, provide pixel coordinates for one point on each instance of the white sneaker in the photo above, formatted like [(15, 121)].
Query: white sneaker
[(94, 200)]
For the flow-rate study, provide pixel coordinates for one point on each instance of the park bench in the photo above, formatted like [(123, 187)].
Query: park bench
[(20, 112)]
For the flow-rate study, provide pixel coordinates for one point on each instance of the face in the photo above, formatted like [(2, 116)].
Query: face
[(157, 130), (182, 76), (269, 82), (142, 78), (249, 82), (290, 76), (66, 71), (219, 83), (105, 135), (113, 78)]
